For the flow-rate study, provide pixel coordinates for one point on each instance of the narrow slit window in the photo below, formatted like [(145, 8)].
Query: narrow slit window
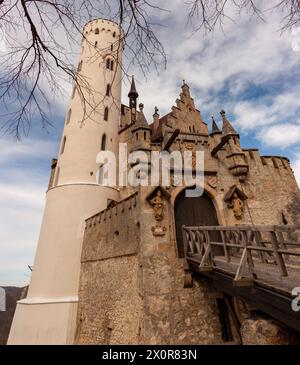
[(108, 63), (69, 116), (112, 65), (97, 31), (63, 145), (96, 44), (108, 90), (144, 135), (56, 176), (114, 34), (103, 142), (106, 114)]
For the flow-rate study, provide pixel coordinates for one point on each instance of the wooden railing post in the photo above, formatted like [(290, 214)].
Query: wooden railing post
[(278, 256)]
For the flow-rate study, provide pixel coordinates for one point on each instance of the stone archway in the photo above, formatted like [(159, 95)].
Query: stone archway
[(197, 211)]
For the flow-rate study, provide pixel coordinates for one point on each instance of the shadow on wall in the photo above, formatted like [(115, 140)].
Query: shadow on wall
[(12, 295)]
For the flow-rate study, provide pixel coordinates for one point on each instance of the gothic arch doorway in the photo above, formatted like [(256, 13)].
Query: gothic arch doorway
[(198, 211)]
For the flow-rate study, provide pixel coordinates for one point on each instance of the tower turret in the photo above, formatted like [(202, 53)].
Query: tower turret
[(48, 314)]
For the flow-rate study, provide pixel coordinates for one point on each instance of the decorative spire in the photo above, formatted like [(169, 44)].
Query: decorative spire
[(133, 95), (214, 126), (227, 127), (185, 89)]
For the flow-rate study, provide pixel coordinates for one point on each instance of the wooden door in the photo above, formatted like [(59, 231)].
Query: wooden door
[(198, 211)]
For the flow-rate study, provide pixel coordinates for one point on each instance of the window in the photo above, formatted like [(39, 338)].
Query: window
[(97, 31), (96, 44), (110, 64), (56, 176), (136, 136), (69, 116), (108, 90), (106, 114), (112, 47), (144, 135), (63, 146), (73, 92), (114, 34), (103, 142)]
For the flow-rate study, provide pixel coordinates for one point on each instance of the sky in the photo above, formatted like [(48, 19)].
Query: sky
[(248, 68)]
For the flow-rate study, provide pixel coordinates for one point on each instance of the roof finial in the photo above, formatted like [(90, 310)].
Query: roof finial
[(156, 110), (141, 107)]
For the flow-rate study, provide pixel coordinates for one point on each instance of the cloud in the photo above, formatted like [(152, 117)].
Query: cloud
[(281, 135)]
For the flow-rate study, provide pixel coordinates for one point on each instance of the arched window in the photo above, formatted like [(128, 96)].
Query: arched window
[(63, 146), (96, 44), (103, 142), (97, 31), (108, 63), (114, 34), (79, 66), (112, 65), (106, 114), (69, 116), (108, 90)]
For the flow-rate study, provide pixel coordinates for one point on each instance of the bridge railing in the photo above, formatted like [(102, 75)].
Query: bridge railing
[(248, 246)]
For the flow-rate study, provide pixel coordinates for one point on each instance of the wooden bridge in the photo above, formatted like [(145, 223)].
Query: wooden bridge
[(258, 264)]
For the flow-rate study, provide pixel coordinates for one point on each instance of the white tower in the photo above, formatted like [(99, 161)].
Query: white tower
[(48, 314)]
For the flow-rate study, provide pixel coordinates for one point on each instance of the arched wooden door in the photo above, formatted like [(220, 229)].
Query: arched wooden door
[(198, 211)]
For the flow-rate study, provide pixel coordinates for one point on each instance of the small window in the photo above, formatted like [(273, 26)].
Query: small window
[(108, 63), (193, 129), (112, 65), (136, 136), (97, 31), (63, 145), (112, 47), (96, 44), (56, 176), (106, 114), (108, 90), (114, 34), (69, 116), (103, 142), (145, 135), (73, 92)]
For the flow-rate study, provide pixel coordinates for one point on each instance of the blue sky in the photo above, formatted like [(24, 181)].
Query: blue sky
[(249, 69)]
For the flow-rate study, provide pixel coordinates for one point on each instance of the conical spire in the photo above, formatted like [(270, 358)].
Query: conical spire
[(133, 94), (141, 119), (227, 127), (214, 126)]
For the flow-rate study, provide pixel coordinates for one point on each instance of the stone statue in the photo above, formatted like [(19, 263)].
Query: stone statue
[(158, 206), (237, 206)]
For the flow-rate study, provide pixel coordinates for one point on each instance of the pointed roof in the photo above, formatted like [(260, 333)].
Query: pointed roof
[(214, 126), (141, 121), (133, 93), (227, 127)]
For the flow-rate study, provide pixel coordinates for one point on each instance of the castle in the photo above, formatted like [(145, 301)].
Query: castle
[(110, 266)]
